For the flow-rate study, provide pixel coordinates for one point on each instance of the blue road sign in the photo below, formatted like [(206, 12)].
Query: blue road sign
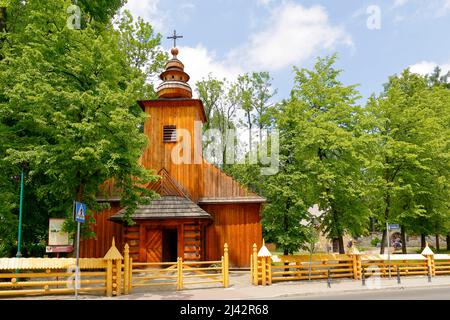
[(394, 227), (80, 212)]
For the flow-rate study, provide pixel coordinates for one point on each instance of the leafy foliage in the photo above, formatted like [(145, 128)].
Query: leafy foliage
[(68, 103)]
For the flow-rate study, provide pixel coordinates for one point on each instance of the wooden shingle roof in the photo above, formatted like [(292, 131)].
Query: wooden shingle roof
[(166, 207)]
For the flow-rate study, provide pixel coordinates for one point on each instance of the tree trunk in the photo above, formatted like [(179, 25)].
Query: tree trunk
[(249, 121), (2, 19), (437, 243), (2, 26), (286, 252), (383, 241), (341, 245), (448, 242), (422, 241), (403, 238), (335, 245), (387, 201)]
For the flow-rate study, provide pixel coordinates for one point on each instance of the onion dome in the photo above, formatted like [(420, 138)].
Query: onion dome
[(174, 79)]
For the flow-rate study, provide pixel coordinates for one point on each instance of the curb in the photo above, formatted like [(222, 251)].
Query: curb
[(322, 293)]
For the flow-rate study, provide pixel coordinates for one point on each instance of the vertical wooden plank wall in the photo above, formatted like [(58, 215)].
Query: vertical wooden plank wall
[(183, 114), (105, 230), (236, 224)]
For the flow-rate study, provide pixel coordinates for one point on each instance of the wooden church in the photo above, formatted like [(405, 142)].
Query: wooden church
[(200, 208)]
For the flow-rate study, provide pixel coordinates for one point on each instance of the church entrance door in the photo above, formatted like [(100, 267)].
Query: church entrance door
[(153, 245)]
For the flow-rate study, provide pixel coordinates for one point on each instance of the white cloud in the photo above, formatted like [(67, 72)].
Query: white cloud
[(427, 67), (292, 35), (264, 3), (398, 18), (149, 11), (187, 5), (399, 3), (199, 62), (446, 5), (442, 9)]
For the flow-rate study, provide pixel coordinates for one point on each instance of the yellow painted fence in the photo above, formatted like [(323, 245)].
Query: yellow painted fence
[(266, 269), (111, 275), (44, 276), (177, 274)]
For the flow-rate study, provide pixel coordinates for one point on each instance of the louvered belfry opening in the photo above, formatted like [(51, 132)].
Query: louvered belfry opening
[(170, 133)]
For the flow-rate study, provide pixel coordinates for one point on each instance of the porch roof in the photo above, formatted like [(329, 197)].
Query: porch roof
[(166, 207)]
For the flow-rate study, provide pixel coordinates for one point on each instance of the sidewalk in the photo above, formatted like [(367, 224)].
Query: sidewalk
[(241, 289)]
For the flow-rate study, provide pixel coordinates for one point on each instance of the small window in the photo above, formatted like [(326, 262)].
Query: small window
[(170, 133)]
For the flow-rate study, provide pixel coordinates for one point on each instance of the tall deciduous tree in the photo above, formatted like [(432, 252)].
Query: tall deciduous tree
[(68, 103), (333, 146), (412, 132), (255, 91), (221, 100)]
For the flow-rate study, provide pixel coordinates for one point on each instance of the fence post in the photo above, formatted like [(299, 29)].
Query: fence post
[(429, 254), (363, 276), (225, 266), (263, 271), (118, 282), (126, 269), (130, 276), (269, 270), (255, 265), (109, 278), (329, 278), (356, 261), (113, 279), (264, 254), (251, 268), (180, 273)]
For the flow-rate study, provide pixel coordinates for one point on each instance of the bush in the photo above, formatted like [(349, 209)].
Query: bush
[(375, 242)]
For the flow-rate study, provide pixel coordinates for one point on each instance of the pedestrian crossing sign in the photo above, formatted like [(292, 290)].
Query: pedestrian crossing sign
[(80, 212)]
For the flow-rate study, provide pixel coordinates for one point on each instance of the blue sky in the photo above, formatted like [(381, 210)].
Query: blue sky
[(373, 39)]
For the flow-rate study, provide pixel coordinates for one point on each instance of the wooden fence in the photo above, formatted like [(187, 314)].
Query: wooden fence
[(177, 274), (112, 275), (45, 276), (266, 269), (441, 265)]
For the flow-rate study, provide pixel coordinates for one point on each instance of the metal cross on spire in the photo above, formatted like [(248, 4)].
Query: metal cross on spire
[(175, 37)]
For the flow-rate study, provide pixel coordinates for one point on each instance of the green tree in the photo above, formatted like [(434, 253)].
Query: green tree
[(333, 148), (254, 92), (68, 104), (220, 99), (412, 155), (287, 191)]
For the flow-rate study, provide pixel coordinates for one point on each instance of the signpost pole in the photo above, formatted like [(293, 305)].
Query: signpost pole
[(80, 212), (77, 274), (388, 248)]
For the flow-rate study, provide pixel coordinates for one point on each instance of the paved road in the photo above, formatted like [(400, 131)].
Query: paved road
[(393, 294)]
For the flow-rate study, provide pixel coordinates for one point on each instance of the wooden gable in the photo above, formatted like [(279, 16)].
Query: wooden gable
[(167, 186)]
